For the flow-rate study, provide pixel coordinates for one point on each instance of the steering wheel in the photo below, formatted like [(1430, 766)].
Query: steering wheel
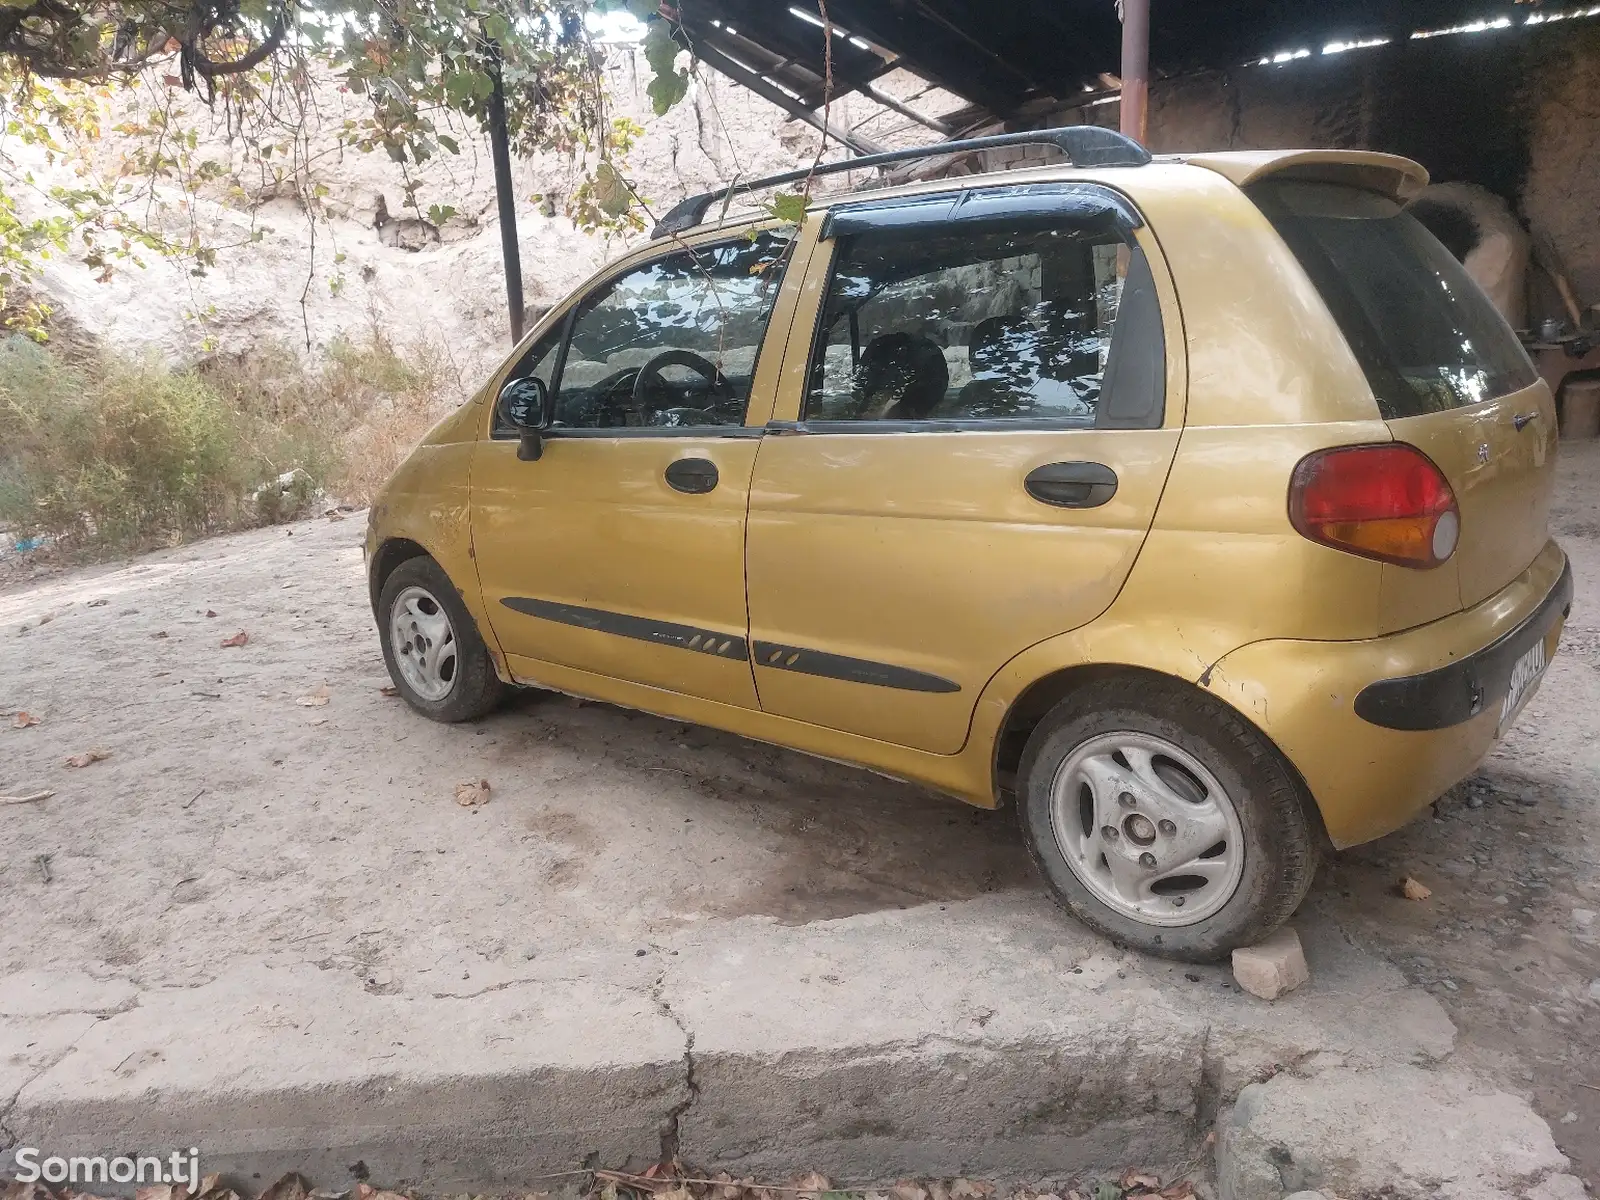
[(679, 358)]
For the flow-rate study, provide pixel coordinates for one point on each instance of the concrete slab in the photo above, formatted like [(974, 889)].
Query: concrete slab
[(1401, 1131), (271, 933)]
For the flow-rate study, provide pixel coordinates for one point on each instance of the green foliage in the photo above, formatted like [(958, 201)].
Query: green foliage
[(114, 452), (427, 71), (668, 84), (787, 207), (110, 453)]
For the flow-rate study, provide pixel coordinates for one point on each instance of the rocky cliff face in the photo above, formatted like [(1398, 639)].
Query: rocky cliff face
[(368, 260)]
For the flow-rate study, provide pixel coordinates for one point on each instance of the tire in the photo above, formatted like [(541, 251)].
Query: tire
[(454, 687), (1107, 807)]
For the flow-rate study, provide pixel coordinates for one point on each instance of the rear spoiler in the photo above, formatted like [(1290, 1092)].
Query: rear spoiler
[(1396, 177)]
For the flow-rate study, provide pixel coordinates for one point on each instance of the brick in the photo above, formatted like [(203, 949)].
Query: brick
[(1272, 967)]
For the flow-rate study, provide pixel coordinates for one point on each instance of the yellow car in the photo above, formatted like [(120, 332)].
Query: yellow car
[(1197, 505)]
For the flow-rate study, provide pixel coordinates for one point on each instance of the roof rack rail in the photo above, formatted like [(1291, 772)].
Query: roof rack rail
[(1084, 145)]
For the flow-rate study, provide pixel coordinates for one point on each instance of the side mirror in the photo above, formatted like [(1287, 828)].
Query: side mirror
[(521, 405)]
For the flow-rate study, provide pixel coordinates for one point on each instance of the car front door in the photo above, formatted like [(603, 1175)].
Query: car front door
[(620, 551), (975, 441)]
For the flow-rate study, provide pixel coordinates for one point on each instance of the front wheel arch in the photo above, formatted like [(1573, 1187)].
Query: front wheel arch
[(390, 554)]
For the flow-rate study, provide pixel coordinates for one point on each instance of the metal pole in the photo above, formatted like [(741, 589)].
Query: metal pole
[(1136, 69), (500, 151)]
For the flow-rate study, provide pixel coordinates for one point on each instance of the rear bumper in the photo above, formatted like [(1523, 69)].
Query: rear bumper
[(1435, 692), (1454, 694)]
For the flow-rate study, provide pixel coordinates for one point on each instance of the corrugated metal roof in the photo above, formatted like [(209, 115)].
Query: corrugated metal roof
[(1003, 55)]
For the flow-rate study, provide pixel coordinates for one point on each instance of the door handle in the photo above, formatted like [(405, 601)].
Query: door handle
[(1521, 419), (696, 476), (1072, 484)]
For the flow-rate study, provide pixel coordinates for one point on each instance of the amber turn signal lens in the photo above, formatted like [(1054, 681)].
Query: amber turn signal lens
[(1388, 502)]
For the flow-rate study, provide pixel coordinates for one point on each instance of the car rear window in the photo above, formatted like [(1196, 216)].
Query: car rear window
[(1425, 334)]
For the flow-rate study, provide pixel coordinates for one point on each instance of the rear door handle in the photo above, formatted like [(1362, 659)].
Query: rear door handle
[(1521, 419), (696, 476), (1072, 484)]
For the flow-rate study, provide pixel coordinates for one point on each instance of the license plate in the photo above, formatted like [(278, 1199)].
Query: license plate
[(1526, 673)]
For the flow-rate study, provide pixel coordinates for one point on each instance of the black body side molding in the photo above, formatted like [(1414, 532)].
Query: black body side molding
[(644, 629), (851, 670)]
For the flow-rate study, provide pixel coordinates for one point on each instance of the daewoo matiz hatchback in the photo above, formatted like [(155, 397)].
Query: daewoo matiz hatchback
[(1197, 505)]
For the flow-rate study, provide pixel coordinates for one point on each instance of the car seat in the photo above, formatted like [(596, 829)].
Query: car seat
[(900, 377)]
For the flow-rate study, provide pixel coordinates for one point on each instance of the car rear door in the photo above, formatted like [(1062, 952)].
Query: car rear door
[(970, 450), (620, 551), (1447, 372)]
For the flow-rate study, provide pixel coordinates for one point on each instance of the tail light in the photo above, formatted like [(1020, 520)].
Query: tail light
[(1388, 502)]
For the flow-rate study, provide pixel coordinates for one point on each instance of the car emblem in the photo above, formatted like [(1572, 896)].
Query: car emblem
[(1483, 451)]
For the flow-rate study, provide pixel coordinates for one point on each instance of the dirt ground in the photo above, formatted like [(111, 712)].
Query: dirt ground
[(233, 821)]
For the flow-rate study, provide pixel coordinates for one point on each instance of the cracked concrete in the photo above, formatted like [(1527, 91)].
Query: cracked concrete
[(671, 1131), (992, 1040), (655, 937)]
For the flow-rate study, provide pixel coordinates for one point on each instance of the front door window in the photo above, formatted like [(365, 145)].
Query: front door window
[(672, 343)]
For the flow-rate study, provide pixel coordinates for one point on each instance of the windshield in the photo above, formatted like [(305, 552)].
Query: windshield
[(1425, 334)]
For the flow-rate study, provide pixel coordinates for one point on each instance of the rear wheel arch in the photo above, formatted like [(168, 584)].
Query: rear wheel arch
[(1035, 701)]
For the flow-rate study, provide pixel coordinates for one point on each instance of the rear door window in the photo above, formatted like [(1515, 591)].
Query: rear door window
[(1426, 336), (1040, 319)]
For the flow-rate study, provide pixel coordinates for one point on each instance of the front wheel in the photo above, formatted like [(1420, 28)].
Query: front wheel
[(1163, 820), (432, 647)]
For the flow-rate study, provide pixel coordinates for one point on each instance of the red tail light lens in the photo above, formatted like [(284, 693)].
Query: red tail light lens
[(1388, 502)]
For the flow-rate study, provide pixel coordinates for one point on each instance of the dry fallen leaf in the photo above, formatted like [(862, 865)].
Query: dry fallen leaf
[(906, 1190), (812, 1186), (1140, 1180), (318, 697), (1412, 890), (290, 1187), (1179, 1191), (23, 719), (237, 639), (27, 799), (966, 1189), (475, 792), (87, 757), (388, 689)]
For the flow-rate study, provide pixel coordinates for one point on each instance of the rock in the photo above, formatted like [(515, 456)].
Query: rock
[(1583, 917), (1594, 990), (1560, 1187), (1272, 967), (1396, 1130)]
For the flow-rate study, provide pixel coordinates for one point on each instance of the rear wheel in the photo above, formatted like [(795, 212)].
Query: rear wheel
[(432, 647), (1162, 819)]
